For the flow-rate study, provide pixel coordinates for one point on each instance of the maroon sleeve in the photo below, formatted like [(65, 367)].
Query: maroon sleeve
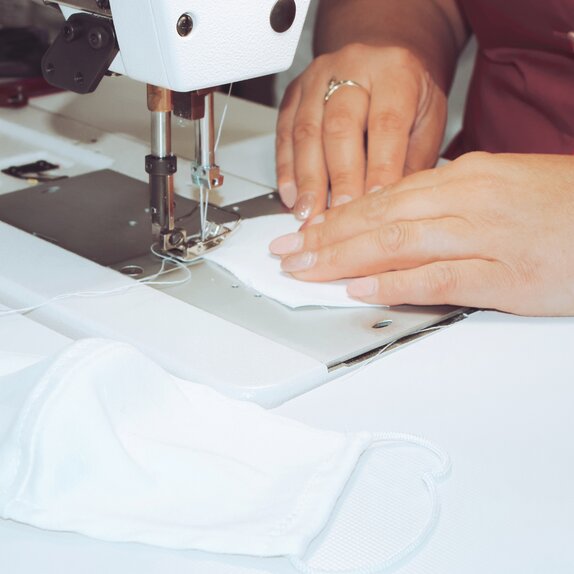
[(520, 95)]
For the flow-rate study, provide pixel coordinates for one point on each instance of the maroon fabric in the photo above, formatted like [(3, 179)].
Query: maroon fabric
[(521, 97)]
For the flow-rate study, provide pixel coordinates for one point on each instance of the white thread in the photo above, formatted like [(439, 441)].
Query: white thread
[(223, 115), (429, 478), (148, 281), (204, 189), (203, 209), (384, 349)]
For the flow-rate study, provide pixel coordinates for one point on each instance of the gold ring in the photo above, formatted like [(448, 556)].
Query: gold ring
[(334, 85)]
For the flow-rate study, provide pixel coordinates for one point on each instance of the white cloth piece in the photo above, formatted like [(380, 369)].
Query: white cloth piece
[(100, 440), (246, 255)]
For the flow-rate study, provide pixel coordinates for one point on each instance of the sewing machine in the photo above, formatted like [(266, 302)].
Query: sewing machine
[(181, 50), (211, 330)]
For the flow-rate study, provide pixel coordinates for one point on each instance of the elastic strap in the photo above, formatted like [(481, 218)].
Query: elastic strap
[(429, 478)]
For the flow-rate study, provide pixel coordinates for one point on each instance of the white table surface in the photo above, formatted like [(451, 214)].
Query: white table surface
[(495, 391)]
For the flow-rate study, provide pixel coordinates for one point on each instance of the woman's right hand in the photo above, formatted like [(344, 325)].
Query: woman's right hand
[(361, 139)]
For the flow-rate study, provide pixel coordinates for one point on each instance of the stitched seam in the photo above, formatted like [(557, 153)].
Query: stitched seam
[(303, 498)]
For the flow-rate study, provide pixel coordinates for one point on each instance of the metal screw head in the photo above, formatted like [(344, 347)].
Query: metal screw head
[(98, 38), (283, 15), (383, 324), (176, 239), (70, 32), (132, 270), (184, 25)]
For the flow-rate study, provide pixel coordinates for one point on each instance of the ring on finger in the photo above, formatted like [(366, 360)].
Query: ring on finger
[(335, 85)]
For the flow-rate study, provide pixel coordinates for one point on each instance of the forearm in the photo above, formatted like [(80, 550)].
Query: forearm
[(434, 30)]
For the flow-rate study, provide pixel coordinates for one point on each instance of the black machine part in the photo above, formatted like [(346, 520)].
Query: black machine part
[(81, 54)]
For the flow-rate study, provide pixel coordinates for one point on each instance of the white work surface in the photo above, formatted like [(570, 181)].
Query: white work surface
[(495, 391)]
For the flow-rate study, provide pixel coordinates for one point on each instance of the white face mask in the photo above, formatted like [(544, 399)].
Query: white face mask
[(103, 442)]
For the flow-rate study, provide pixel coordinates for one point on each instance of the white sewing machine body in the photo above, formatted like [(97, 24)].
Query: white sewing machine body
[(74, 235), (183, 51), (222, 41)]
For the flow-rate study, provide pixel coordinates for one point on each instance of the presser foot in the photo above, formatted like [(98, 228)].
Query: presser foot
[(183, 247)]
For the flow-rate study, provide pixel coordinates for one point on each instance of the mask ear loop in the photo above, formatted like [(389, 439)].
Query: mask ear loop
[(430, 480)]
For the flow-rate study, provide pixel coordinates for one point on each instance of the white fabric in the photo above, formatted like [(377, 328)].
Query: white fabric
[(246, 255), (102, 441)]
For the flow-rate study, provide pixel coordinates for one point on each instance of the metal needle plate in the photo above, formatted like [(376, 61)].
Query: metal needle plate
[(104, 216)]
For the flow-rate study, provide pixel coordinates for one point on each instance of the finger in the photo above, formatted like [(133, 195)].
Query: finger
[(465, 283), (426, 178), (391, 118), (426, 139), (284, 145), (429, 178), (428, 129), (400, 245), (344, 125), (309, 159), (370, 213)]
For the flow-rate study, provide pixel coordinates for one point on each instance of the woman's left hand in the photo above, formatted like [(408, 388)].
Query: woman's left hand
[(490, 231)]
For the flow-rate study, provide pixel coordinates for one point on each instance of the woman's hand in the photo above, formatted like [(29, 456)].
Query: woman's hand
[(323, 144), (490, 231)]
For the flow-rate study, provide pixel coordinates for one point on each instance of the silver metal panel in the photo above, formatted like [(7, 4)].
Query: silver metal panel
[(332, 336), (104, 216)]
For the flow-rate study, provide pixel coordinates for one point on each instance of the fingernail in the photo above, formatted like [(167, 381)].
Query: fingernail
[(288, 194), (286, 244), (342, 200), (300, 262), (364, 287), (317, 219), (304, 206), (375, 189)]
